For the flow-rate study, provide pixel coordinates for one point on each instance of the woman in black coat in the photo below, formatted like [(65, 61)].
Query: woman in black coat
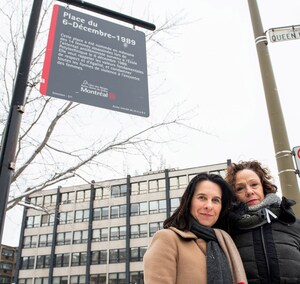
[(263, 226)]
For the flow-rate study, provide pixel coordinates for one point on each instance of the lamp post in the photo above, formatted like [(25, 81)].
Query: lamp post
[(283, 154)]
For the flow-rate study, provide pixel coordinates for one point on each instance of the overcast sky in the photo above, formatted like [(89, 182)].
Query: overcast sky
[(213, 67)]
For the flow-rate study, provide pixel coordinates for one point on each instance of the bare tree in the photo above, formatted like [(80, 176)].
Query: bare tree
[(53, 146)]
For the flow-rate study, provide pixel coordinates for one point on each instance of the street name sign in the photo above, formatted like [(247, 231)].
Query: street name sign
[(284, 33), (96, 62)]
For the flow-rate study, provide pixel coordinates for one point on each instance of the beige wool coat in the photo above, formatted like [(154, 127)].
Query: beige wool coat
[(177, 257)]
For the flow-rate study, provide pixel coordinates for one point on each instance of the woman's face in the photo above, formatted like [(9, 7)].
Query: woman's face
[(206, 203), (248, 187)]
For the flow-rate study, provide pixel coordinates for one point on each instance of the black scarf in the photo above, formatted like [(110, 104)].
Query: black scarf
[(218, 270), (271, 209)]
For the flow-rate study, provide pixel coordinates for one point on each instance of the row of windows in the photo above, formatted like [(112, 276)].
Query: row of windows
[(98, 235), (8, 252), (113, 191), (102, 213), (135, 277), (6, 266), (80, 258), (6, 279), (142, 187)]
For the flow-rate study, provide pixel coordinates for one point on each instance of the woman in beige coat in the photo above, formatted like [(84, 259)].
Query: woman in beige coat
[(188, 250)]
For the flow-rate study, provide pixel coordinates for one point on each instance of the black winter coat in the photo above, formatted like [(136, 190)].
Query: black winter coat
[(270, 251)]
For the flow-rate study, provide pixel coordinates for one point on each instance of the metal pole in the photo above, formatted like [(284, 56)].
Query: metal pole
[(110, 13), (286, 170), (10, 138)]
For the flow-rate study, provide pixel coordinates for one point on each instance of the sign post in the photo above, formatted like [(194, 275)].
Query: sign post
[(285, 164), (11, 133)]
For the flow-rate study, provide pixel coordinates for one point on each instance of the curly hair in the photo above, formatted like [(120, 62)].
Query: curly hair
[(255, 166), (181, 216)]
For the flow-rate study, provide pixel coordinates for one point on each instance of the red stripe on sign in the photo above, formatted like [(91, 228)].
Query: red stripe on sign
[(49, 48)]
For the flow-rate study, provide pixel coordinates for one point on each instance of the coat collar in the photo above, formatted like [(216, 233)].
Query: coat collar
[(184, 234)]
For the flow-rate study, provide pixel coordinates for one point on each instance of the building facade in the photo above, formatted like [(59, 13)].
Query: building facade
[(98, 232), (8, 256)]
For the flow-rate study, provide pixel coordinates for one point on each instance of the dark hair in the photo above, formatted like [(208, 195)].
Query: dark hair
[(255, 166), (181, 217)]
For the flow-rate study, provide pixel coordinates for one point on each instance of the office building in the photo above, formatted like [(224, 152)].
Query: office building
[(8, 256), (98, 232)]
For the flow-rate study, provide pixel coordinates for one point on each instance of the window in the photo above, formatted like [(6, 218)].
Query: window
[(157, 206), (139, 188), (60, 280), (62, 260), (47, 220), (66, 217), (137, 254), (99, 257), (143, 187), (80, 237), (182, 181), (116, 278), (27, 262), (83, 195), (67, 197), (82, 215), (118, 211), (178, 182), (117, 255), (96, 214), (63, 238), (136, 277), (98, 279), (174, 183), (29, 222), (104, 213), (135, 188), (6, 266), (101, 213), (192, 176), (79, 279), (33, 221), (157, 185), (42, 261), (43, 280), (118, 190), (219, 172), (154, 227), (78, 258), (100, 235), (101, 193), (161, 184), (30, 242), (36, 200), (117, 233), (174, 203), (25, 281), (153, 185), (5, 279), (50, 199), (7, 252), (138, 231), (45, 240), (139, 208)]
